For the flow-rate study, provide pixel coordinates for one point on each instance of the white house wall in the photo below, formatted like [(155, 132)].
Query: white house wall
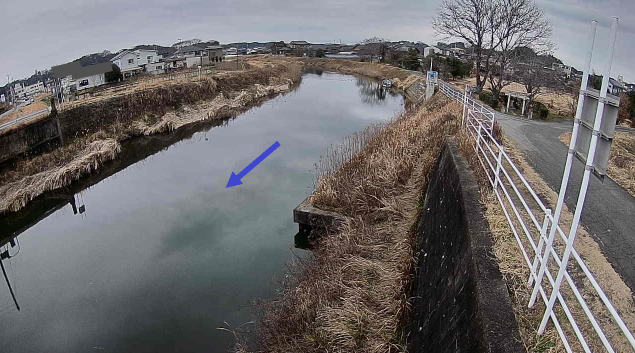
[(93, 81)]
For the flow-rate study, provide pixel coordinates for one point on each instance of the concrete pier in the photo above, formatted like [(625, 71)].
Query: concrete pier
[(307, 216)]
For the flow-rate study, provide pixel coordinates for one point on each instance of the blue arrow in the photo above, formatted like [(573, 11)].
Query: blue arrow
[(234, 179)]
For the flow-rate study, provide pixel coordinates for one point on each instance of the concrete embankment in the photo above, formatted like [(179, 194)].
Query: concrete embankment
[(18, 141), (460, 301)]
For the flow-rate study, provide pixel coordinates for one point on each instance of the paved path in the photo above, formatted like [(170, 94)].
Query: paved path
[(23, 118), (609, 211)]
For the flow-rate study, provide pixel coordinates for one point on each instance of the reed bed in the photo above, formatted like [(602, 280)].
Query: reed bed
[(352, 294)]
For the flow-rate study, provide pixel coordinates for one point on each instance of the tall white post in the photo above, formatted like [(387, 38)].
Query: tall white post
[(509, 98), (585, 179), (567, 167), (465, 102)]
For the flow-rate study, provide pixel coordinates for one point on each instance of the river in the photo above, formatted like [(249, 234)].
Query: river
[(156, 253)]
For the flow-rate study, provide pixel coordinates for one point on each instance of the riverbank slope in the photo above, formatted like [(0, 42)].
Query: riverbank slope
[(93, 132)]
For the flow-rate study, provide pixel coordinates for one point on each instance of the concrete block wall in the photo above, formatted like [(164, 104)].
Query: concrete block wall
[(18, 141), (460, 302)]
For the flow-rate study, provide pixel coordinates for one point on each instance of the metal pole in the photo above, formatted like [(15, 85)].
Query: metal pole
[(464, 104), (585, 179), (4, 272), (568, 164), (541, 243)]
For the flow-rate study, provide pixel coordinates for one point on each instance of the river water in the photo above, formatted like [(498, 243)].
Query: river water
[(157, 253)]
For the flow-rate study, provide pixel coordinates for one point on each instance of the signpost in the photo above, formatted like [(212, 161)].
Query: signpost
[(431, 80), (593, 132)]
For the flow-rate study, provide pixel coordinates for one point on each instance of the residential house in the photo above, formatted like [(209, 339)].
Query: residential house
[(191, 51), (431, 51), (133, 62), (215, 53), (630, 87), (174, 63), (34, 89), (298, 44), (18, 91), (562, 69), (73, 76), (615, 87), (348, 49), (92, 76)]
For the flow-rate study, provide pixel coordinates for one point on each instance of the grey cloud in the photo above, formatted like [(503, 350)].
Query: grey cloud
[(43, 33)]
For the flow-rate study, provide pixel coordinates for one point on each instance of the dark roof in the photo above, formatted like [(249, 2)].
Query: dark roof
[(302, 42), (77, 71), (317, 46), (190, 48)]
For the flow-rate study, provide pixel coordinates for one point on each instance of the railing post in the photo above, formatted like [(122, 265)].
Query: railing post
[(541, 243), (464, 105), (478, 136), (499, 162)]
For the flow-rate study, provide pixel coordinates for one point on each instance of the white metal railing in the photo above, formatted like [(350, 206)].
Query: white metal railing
[(530, 221), (489, 117)]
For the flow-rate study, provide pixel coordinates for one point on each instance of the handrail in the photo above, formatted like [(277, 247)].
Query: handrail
[(504, 176)]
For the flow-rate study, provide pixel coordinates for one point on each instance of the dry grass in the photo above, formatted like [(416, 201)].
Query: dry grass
[(621, 166), (386, 162), (559, 102), (93, 131), (352, 295), (38, 104), (516, 272), (401, 79), (17, 194)]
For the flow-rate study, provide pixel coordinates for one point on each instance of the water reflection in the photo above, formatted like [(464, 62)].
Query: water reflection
[(166, 248), (5, 254), (372, 92)]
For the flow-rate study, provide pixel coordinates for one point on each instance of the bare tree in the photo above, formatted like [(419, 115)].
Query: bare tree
[(473, 21), (530, 71), (375, 47), (520, 24)]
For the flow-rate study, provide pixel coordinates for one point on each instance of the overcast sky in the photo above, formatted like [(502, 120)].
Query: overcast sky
[(37, 34)]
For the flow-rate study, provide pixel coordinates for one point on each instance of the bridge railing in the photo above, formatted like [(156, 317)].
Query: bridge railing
[(592, 326)]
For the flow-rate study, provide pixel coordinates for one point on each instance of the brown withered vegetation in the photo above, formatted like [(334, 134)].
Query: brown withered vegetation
[(516, 273), (92, 132), (401, 79), (352, 295), (621, 166)]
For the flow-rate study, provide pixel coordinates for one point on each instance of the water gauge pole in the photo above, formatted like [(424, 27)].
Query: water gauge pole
[(4, 272)]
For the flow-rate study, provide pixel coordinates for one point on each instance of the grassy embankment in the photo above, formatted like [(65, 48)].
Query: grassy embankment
[(93, 132), (352, 295), (621, 166), (401, 79)]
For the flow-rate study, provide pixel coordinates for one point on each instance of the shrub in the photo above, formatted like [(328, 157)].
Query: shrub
[(485, 97), (540, 110)]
